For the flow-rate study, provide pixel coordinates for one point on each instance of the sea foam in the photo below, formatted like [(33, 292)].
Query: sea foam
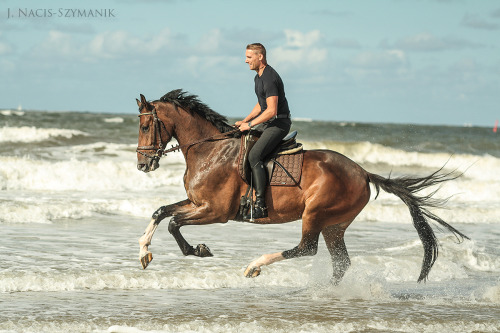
[(33, 134)]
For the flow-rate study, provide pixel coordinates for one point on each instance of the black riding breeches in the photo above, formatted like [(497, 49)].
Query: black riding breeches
[(269, 140)]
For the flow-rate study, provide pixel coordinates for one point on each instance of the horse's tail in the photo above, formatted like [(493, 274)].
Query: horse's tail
[(406, 189)]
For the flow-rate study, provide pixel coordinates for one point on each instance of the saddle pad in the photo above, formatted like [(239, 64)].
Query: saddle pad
[(293, 164), (247, 142)]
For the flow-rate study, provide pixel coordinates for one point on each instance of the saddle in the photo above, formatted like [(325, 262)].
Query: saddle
[(284, 164)]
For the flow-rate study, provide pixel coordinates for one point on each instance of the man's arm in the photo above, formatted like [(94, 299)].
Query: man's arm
[(271, 111), (254, 113)]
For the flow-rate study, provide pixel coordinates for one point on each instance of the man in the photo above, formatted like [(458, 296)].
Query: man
[(272, 114)]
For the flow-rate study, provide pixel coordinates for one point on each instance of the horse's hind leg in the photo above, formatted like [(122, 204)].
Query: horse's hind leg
[(334, 239), (308, 246)]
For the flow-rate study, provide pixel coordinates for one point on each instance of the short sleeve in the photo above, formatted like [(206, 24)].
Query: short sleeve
[(270, 87)]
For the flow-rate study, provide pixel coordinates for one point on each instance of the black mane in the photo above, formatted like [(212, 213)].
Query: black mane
[(182, 99)]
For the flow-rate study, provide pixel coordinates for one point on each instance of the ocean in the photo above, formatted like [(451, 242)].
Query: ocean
[(73, 206)]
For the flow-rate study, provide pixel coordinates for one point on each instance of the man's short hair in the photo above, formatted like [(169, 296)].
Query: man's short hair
[(257, 47)]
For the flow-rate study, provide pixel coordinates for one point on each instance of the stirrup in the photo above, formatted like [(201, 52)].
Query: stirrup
[(258, 213)]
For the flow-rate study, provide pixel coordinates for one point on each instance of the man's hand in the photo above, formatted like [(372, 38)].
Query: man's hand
[(244, 127), (238, 123)]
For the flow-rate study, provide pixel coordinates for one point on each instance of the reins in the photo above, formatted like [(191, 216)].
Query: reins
[(160, 151), (211, 138)]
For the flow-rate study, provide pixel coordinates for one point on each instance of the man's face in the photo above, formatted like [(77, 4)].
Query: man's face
[(253, 59)]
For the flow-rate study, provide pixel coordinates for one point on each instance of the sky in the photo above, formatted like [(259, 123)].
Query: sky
[(385, 61)]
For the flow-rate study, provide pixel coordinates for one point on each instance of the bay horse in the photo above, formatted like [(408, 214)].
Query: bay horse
[(331, 193)]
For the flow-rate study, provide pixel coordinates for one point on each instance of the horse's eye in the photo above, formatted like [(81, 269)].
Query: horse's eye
[(145, 128)]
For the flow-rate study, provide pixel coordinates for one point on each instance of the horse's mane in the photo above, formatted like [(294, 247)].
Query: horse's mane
[(180, 98)]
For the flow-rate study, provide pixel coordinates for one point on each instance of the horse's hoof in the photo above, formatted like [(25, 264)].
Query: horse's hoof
[(146, 258), (252, 272), (202, 251)]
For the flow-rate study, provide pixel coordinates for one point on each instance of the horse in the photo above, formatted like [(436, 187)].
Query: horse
[(332, 190)]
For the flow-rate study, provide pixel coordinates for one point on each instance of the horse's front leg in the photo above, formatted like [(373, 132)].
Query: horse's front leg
[(201, 250), (145, 241), (194, 215)]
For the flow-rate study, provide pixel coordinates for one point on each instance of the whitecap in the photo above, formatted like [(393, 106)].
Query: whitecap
[(34, 134), (116, 120)]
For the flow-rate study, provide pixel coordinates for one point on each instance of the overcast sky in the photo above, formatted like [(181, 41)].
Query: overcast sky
[(404, 61)]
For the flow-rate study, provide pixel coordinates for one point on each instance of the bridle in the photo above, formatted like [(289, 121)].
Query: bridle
[(160, 150)]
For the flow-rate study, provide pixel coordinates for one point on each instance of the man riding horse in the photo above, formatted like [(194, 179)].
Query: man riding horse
[(272, 114)]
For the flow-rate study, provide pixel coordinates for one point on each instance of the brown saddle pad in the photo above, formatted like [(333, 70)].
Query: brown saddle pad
[(292, 163), (276, 165)]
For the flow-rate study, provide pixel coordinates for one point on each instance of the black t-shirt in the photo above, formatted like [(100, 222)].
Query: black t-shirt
[(270, 84)]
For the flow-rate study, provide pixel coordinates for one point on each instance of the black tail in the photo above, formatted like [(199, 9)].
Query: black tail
[(406, 189)]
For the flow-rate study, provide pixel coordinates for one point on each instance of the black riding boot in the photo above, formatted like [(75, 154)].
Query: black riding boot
[(260, 183)]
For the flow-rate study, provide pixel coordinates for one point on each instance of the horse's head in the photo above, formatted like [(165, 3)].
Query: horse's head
[(155, 131)]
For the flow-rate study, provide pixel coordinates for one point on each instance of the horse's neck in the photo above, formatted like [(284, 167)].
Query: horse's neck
[(192, 129)]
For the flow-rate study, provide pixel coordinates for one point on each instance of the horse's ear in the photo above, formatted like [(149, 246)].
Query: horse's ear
[(138, 102), (144, 103)]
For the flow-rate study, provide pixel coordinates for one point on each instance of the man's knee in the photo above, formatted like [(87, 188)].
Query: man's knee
[(254, 158)]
